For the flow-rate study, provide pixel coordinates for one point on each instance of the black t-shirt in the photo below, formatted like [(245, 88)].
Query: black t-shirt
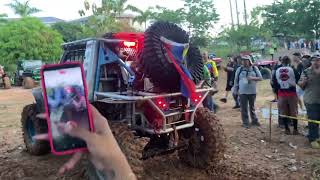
[(299, 69)]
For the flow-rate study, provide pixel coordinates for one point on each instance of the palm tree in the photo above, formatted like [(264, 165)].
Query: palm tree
[(143, 16), (120, 6), (23, 9)]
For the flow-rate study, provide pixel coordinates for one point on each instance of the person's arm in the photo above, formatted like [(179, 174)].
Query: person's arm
[(215, 70), (236, 78), (303, 82), (258, 76), (275, 81)]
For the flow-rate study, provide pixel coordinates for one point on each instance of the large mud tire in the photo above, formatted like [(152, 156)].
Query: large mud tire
[(6, 83), (155, 62), (28, 83), (265, 73), (31, 125), (131, 146), (206, 145)]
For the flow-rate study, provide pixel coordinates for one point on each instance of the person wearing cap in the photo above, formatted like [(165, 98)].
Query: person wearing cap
[(231, 68), (310, 83), (285, 80), (245, 84)]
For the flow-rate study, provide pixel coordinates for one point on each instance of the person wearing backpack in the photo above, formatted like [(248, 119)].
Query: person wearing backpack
[(245, 84), (285, 80)]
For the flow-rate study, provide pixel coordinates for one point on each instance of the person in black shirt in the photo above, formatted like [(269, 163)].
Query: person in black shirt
[(231, 68), (298, 67)]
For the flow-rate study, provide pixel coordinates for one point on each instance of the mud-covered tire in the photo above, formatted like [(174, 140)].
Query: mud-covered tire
[(31, 125), (155, 62), (28, 83), (206, 144), (131, 146), (265, 73), (6, 82)]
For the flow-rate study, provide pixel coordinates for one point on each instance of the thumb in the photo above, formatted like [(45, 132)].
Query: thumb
[(73, 130)]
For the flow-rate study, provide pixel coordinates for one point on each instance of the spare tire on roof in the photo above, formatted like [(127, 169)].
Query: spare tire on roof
[(154, 60)]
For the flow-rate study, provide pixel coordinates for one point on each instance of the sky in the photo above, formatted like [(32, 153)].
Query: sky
[(68, 9)]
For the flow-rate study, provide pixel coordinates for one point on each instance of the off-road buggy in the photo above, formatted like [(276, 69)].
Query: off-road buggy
[(27, 73), (4, 79), (133, 82)]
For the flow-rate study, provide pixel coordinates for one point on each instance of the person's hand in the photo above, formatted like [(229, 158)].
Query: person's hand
[(250, 78), (103, 149)]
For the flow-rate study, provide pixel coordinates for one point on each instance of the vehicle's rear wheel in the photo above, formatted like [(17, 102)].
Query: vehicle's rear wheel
[(131, 146), (6, 82), (265, 73), (155, 62), (206, 141), (31, 126), (28, 83)]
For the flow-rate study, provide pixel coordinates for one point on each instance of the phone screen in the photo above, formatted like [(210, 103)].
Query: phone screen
[(66, 103)]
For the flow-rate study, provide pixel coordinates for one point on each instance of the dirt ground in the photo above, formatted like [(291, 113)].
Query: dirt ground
[(249, 154)]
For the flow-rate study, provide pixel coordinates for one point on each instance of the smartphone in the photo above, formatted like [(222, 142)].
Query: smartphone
[(66, 101)]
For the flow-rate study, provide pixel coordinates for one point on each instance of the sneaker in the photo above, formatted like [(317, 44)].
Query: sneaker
[(236, 107), (295, 132), (273, 101), (287, 132), (245, 126), (224, 100), (315, 145), (255, 124)]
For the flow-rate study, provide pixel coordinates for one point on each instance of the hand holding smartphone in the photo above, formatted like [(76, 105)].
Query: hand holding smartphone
[(66, 102)]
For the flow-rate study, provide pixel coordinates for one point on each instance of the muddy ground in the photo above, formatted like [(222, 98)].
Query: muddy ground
[(249, 154)]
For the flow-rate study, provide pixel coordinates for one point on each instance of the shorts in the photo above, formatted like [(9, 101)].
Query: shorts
[(300, 92)]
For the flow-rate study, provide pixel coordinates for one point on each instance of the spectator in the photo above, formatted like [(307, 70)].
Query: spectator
[(213, 76), (245, 84), (231, 69), (306, 61), (310, 82), (284, 80), (298, 67), (274, 90), (271, 52)]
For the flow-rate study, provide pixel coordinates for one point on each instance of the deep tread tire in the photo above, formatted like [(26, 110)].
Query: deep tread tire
[(265, 73), (203, 154), (155, 63), (130, 145), (28, 83), (38, 147), (6, 82)]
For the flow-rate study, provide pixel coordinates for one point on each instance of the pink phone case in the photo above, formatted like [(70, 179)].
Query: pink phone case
[(71, 151)]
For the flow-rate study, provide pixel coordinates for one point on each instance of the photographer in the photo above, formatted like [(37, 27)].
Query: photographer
[(310, 83)]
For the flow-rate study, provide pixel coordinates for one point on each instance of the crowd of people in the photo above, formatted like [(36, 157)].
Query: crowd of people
[(295, 82), (313, 45)]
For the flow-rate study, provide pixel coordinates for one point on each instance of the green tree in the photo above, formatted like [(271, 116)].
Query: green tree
[(104, 17), (28, 38), (165, 14), (70, 31), (2, 19), (143, 16), (200, 16), (22, 9)]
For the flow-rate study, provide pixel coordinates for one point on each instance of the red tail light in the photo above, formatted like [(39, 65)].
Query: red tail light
[(129, 44)]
